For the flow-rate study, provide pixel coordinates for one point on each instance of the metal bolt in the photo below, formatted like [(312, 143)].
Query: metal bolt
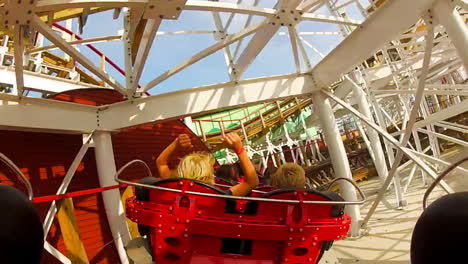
[(185, 235), (172, 228), (185, 230), (170, 208), (29, 11), (161, 16), (187, 221), (300, 229), (291, 230), (177, 220), (178, 8), (289, 244), (315, 239), (303, 239), (314, 244), (159, 231), (181, 183), (151, 6), (159, 226), (199, 212), (310, 259), (290, 238)]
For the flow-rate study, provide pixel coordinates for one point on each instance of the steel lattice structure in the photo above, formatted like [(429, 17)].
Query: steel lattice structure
[(396, 65)]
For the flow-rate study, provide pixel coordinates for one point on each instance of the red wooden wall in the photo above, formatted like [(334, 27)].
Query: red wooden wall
[(45, 158)]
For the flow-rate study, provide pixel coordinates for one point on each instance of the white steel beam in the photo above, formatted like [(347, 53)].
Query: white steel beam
[(452, 126), (203, 99), (204, 53), (255, 46), (338, 157), (390, 139), (371, 35), (75, 42), (41, 114), (439, 116), (329, 19), (56, 253), (64, 186), (446, 14), (115, 212), (228, 8), (261, 39), (43, 82), (19, 57), (56, 5), (293, 38), (45, 30), (149, 33), (448, 138)]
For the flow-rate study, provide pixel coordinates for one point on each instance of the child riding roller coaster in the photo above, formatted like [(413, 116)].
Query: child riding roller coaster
[(199, 165)]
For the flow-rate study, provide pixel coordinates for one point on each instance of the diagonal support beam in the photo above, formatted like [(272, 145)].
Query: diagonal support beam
[(391, 139), (260, 40), (64, 186), (204, 53), (149, 33), (292, 37), (45, 30), (255, 46), (19, 57)]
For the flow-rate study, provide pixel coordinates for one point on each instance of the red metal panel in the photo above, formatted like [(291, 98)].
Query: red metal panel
[(184, 225)]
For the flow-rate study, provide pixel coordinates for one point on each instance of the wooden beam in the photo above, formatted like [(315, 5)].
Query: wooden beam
[(70, 232)]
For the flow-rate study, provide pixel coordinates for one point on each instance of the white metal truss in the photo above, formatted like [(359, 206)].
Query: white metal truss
[(407, 60)]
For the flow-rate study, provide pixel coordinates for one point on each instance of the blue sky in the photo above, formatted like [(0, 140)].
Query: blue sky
[(170, 50)]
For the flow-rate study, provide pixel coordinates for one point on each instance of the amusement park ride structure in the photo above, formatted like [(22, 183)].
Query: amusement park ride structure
[(402, 69)]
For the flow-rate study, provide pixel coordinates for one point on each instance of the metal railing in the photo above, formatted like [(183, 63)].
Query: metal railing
[(116, 177)]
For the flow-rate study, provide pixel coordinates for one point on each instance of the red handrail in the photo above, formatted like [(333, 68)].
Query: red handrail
[(98, 52)]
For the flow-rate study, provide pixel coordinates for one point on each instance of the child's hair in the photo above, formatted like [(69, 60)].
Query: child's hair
[(230, 172), (197, 166), (288, 175)]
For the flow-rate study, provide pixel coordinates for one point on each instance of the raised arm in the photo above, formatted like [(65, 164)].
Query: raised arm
[(162, 162), (233, 141)]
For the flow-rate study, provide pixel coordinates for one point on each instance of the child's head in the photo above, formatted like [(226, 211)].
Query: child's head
[(288, 175), (197, 166)]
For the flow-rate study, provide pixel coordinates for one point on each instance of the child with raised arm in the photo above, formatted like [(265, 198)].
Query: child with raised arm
[(199, 165)]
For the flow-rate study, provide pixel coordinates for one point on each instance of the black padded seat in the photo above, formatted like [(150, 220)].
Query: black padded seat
[(441, 233), (21, 233)]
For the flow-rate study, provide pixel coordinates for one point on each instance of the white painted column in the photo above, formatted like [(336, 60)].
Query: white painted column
[(112, 202), (447, 16), (376, 145), (338, 157)]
